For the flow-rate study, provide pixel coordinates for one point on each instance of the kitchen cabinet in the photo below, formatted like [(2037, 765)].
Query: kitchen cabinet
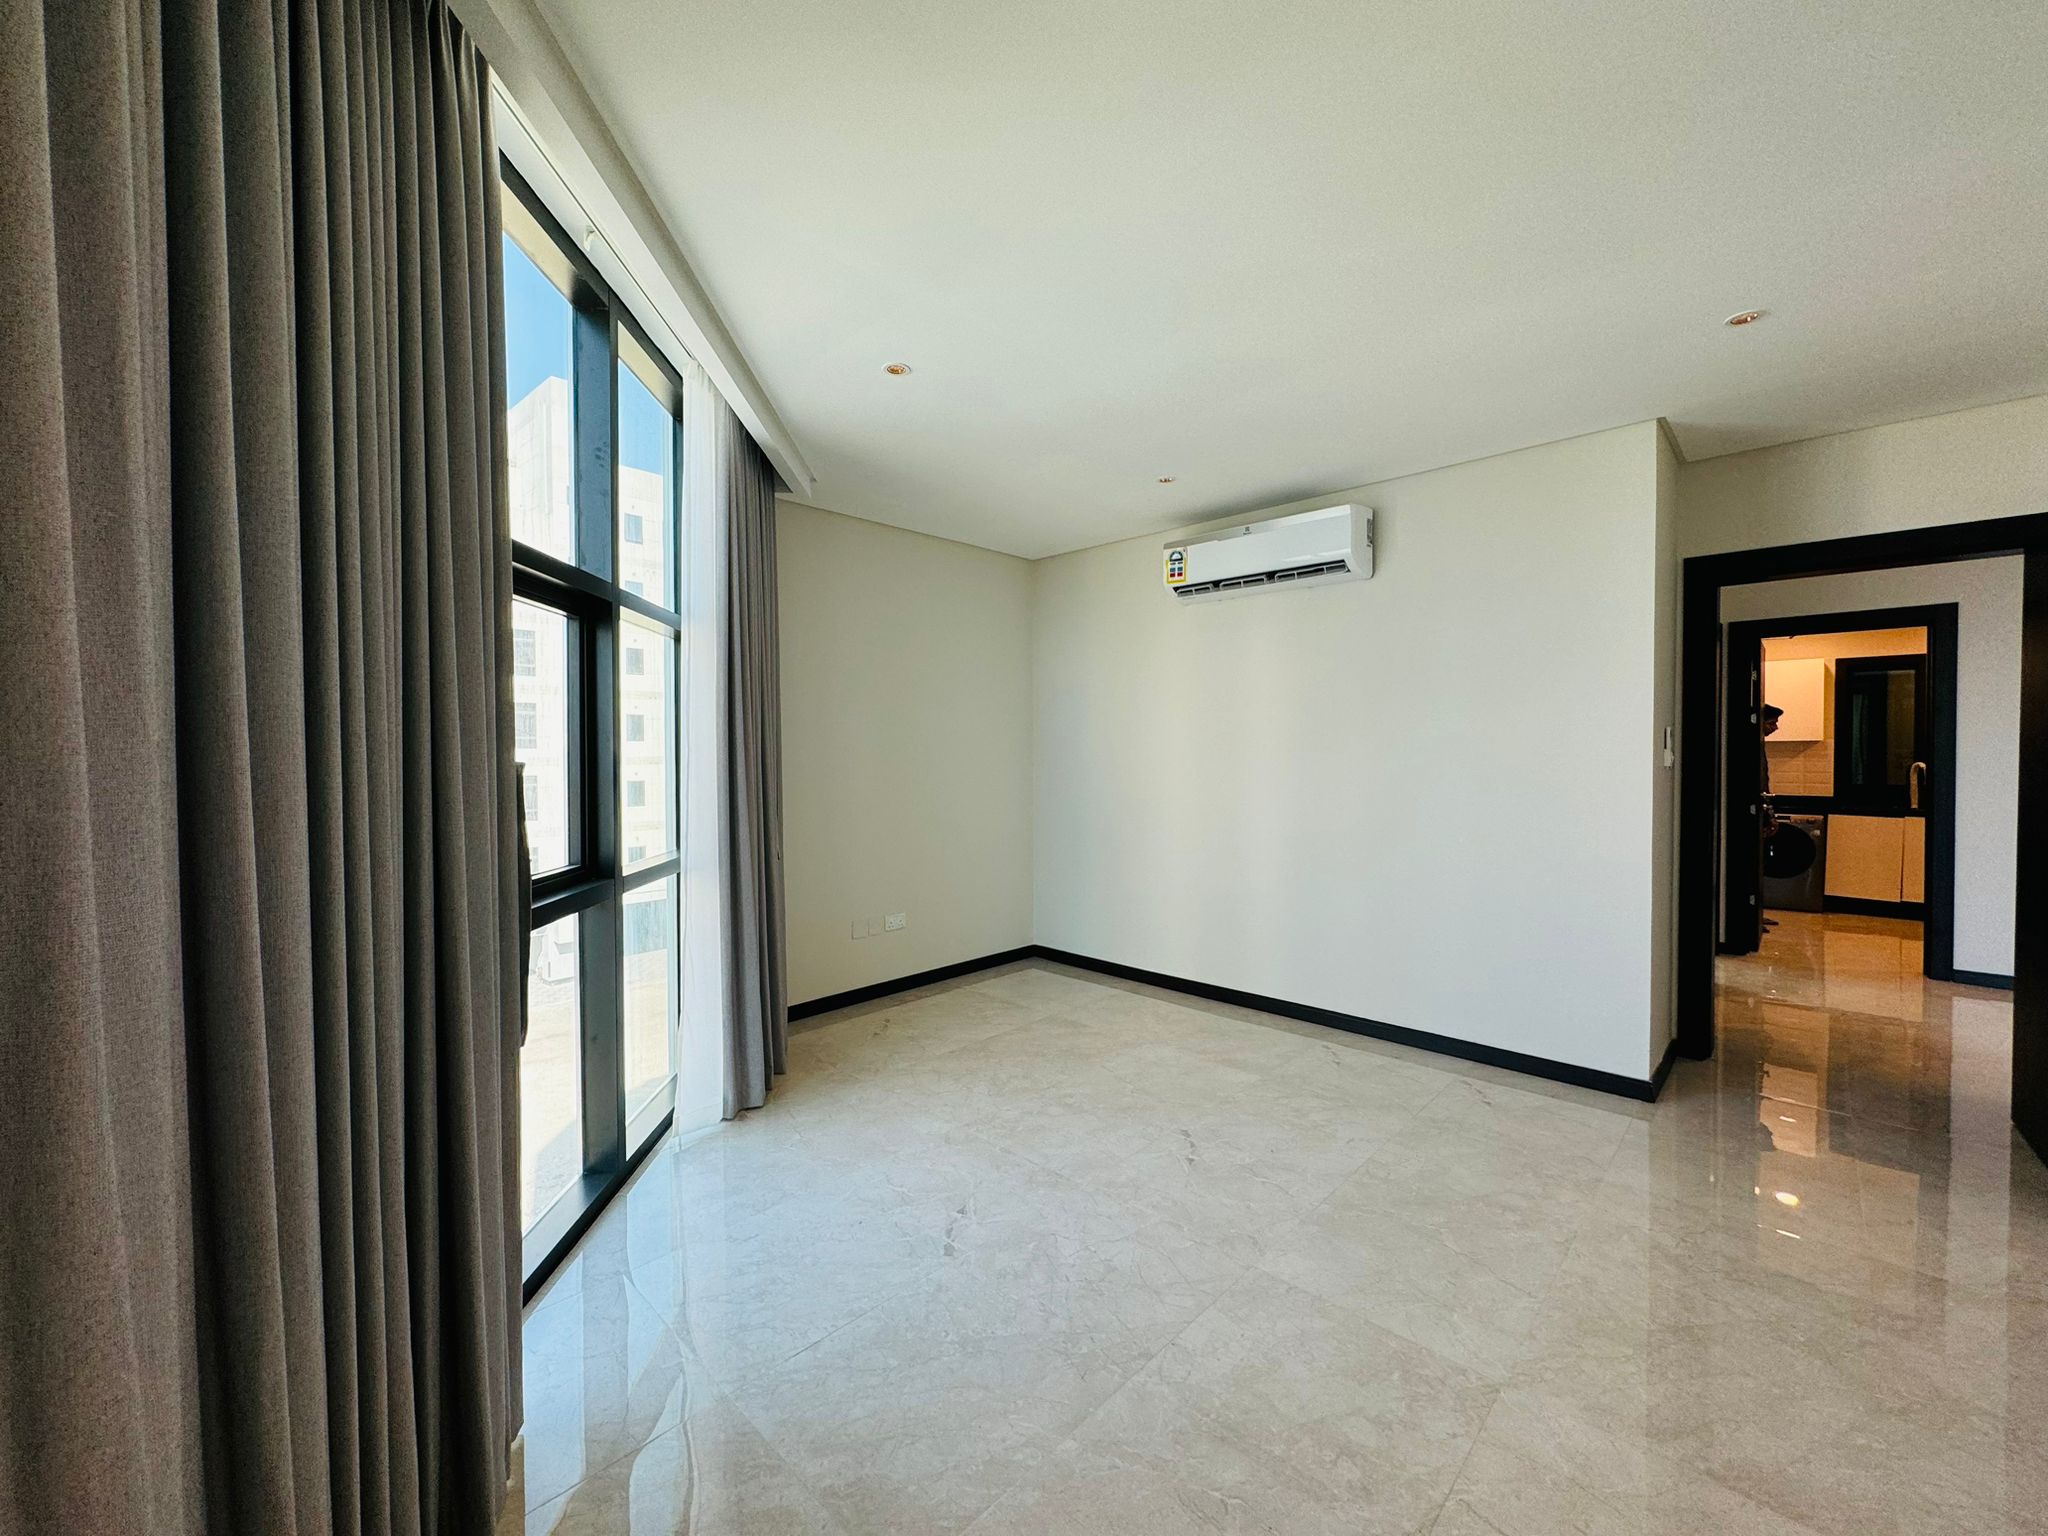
[(1877, 858), (1913, 867)]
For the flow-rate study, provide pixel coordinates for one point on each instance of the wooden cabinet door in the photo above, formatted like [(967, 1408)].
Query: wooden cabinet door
[(1866, 857), (1913, 864)]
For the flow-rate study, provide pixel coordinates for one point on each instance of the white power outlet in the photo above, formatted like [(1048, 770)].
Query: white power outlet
[(896, 922), (860, 927)]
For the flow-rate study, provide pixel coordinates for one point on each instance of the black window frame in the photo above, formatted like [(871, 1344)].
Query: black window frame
[(594, 885)]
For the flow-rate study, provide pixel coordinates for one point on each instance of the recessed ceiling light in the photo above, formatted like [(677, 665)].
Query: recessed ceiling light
[(1744, 317), (1166, 479), (897, 370)]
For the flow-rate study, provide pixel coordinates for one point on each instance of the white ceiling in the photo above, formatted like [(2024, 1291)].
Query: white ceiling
[(1276, 250)]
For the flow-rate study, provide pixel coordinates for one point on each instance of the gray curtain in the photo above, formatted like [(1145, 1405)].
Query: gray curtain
[(259, 929), (757, 972)]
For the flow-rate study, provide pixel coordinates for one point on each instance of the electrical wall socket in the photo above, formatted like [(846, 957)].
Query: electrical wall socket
[(860, 927), (896, 921)]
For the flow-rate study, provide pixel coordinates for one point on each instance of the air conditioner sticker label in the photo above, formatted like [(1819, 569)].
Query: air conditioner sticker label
[(1176, 567)]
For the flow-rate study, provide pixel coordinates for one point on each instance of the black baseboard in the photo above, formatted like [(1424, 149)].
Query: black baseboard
[(1663, 1071), (869, 993), (1982, 979), (1914, 911), (558, 1229), (1644, 1089)]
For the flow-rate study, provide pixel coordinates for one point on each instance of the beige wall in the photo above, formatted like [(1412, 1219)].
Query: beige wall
[(1958, 468), (1433, 798), (1860, 642), (906, 749)]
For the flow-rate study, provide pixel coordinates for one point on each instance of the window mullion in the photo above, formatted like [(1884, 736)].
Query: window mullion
[(594, 423)]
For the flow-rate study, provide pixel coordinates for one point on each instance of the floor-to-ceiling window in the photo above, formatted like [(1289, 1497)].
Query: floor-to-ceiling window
[(594, 446)]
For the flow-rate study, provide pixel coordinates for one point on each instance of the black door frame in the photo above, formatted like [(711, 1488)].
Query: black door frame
[(1742, 791), (1699, 786)]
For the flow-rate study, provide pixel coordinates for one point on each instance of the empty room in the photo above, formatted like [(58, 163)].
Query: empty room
[(1073, 769)]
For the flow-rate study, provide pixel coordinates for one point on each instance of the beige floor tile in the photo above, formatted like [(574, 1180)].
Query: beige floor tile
[(909, 1420), (1167, 1473), (1033, 1251), (1273, 1412), (603, 1374), (711, 1472)]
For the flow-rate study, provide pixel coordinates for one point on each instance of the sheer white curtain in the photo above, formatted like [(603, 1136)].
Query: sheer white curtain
[(702, 1041), (732, 1030)]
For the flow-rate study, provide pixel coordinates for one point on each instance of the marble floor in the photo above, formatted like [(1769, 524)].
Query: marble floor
[(1038, 1252)]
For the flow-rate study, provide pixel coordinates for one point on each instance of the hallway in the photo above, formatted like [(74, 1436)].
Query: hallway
[(1833, 1012)]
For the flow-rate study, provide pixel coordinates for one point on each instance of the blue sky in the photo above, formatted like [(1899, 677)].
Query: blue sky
[(536, 326), (643, 426), (537, 320)]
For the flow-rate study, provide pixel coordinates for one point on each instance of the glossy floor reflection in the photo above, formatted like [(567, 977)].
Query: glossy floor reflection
[(1040, 1253)]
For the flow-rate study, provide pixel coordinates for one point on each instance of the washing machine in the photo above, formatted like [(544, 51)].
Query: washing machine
[(1796, 864)]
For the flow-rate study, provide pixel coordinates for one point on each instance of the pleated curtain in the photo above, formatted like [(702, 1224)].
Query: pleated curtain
[(259, 925), (759, 1040)]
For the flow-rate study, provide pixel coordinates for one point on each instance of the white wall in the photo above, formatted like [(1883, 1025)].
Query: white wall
[(1987, 595), (1432, 799), (1958, 468), (906, 749)]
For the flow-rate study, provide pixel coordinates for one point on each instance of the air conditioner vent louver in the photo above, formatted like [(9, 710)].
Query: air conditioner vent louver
[(1304, 548), (1264, 579)]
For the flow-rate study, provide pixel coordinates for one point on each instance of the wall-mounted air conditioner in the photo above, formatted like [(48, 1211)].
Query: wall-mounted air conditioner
[(1302, 549)]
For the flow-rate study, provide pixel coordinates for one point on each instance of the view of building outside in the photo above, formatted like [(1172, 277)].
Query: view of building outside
[(545, 646), (542, 653), (649, 803), (538, 338), (651, 952), (537, 452), (550, 1072)]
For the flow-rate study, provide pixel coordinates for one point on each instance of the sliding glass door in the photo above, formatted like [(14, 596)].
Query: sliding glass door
[(594, 456)]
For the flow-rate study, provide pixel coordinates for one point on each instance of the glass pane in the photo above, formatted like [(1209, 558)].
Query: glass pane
[(647, 483), (543, 655), (1899, 721), (538, 327), (647, 750), (650, 929), (1882, 733), (550, 1076)]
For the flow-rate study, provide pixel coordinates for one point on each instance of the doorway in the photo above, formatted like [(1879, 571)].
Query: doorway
[(1839, 774), (1706, 782)]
